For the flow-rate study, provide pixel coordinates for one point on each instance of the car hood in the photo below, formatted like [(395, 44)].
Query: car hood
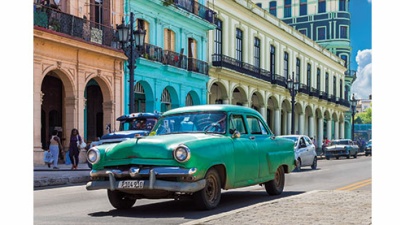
[(154, 147), (123, 134)]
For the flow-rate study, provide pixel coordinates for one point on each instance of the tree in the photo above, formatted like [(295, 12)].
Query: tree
[(364, 117)]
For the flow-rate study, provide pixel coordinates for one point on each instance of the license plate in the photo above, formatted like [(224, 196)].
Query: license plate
[(134, 184)]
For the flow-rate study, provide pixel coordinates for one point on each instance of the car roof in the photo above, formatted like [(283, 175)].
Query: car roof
[(293, 135), (213, 107), (138, 115)]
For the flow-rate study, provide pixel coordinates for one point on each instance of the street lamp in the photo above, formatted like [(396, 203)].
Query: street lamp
[(132, 42), (293, 87), (353, 102)]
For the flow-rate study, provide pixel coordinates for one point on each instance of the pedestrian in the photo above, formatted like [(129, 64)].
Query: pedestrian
[(74, 149), (54, 147)]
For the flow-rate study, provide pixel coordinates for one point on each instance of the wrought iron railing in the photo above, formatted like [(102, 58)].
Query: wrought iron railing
[(157, 54), (61, 22), (197, 66), (195, 8)]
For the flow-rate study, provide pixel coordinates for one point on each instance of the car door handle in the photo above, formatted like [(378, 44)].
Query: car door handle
[(252, 138)]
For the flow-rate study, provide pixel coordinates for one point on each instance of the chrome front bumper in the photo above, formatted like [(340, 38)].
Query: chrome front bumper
[(149, 176)]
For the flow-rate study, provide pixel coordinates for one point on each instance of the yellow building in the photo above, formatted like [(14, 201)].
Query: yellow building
[(254, 55), (77, 70)]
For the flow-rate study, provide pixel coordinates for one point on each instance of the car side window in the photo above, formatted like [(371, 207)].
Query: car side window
[(254, 125), (308, 141), (237, 122)]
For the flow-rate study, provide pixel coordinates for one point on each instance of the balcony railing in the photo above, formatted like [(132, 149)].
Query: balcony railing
[(196, 8), (61, 22), (220, 60), (157, 54)]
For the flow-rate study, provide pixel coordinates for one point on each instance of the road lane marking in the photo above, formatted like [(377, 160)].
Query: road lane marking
[(357, 185)]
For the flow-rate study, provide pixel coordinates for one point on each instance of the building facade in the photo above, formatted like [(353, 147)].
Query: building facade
[(253, 55), (172, 70), (78, 71)]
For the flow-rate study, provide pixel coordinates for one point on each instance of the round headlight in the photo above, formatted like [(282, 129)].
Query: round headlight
[(93, 155), (182, 153)]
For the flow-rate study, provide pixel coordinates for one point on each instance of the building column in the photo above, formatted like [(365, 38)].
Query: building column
[(341, 127), (277, 121), (263, 111), (337, 130), (320, 131), (301, 123), (329, 129), (311, 128), (288, 127)]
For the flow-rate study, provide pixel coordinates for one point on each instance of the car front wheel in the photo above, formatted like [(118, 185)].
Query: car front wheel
[(120, 200), (210, 195), (275, 186)]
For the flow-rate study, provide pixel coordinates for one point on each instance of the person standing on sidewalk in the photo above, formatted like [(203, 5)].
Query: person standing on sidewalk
[(75, 140), (54, 148)]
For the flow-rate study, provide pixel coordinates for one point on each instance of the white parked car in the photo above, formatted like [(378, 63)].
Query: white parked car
[(304, 153)]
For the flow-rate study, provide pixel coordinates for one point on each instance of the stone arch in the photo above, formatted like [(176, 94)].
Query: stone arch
[(218, 93), (239, 96)]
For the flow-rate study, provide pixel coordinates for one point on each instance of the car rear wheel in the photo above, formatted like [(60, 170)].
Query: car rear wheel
[(355, 155), (314, 165), (210, 195), (298, 165), (275, 186), (120, 200)]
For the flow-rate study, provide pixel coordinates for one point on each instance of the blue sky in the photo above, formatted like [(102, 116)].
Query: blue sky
[(361, 43)]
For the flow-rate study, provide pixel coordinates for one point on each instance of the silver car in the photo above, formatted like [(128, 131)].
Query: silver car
[(304, 153)]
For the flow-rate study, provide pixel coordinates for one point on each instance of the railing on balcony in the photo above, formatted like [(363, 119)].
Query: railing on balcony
[(197, 9), (157, 54), (197, 66), (303, 88), (314, 92), (248, 69), (61, 22)]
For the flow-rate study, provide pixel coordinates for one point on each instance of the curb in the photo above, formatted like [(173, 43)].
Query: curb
[(46, 181)]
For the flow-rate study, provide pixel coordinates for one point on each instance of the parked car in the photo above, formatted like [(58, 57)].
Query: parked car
[(193, 152), (130, 126), (304, 151), (341, 147), (368, 148)]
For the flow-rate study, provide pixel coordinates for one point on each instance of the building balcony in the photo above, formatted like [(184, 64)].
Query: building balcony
[(56, 21), (195, 8), (219, 60), (175, 59)]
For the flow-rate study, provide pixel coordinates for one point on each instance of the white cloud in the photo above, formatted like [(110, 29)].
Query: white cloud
[(362, 86)]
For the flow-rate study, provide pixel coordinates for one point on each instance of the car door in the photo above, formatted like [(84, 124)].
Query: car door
[(303, 151), (310, 150), (245, 152)]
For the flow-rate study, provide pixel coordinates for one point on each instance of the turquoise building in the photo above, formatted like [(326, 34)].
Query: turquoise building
[(172, 70)]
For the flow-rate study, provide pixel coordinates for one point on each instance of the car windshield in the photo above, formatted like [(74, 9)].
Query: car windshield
[(206, 122), (340, 142), (137, 124)]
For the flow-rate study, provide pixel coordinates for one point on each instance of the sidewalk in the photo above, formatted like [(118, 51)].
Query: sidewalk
[(44, 176)]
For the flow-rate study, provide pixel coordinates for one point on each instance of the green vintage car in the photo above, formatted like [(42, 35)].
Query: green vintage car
[(193, 152)]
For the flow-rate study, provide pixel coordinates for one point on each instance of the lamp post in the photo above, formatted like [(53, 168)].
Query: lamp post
[(353, 102), (131, 41), (293, 86)]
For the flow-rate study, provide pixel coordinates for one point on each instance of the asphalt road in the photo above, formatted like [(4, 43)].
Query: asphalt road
[(76, 205)]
